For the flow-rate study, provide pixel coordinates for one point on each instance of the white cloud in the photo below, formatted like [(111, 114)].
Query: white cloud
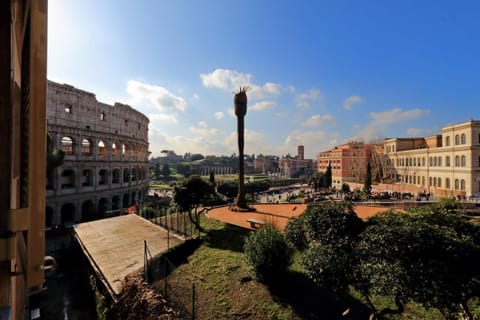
[(162, 118), (350, 101), (264, 105), (196, 96), (418, 132), (157, 96), (318, 120), (219, 115), (376, 127), (227, 80), (397, 115), (203, 130), (304, 99), (231, 81)]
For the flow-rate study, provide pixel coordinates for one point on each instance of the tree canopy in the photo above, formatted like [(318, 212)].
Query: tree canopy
[(190, 194)]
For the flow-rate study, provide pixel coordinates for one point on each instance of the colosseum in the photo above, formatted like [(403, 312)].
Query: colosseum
[(105, 167)]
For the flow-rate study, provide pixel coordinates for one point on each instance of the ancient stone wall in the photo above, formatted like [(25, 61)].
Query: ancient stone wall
[(106, 156)]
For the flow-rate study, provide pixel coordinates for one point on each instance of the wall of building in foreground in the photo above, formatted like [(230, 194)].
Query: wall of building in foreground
[(23, 34), (106, 156)]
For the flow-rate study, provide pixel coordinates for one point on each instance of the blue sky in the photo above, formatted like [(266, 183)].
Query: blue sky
[(321, 72)]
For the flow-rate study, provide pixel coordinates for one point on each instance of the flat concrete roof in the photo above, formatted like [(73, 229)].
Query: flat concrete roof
[(115, 246)]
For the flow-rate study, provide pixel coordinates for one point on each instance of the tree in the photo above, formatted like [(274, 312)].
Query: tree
[(424, 255), (267, 252), (54, 156), (328, 176), (196, 157), (190, 194), (184, 169), (212, 178), (367, 186), (316, 180), (157, 171), (166, 171)]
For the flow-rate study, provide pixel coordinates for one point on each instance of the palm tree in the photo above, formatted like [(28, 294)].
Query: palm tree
[(240, 101)]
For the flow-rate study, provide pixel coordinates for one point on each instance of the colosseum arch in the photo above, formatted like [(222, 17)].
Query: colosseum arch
[(126, 175), (114, 150), (134, 174), (102, 149), (115, 176), (115, 202), (126, 201), (103, 206), (87, 210), (125, 150), (103, 177), (87, 147), (68, 179), (67, 214), (67, 144), (87, 178)]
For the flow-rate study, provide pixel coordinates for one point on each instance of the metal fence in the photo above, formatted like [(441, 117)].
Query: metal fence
[(176, 222), (158, 270)]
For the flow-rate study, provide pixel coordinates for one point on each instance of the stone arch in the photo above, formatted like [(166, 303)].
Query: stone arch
[(102, 148), (67, 144), (114, 149), (86, 147), (116, 176), (126, 175), (68, 214), (134, 198), (88, 210), (103, 177), (102, 206), (124, 150), (49, 217), (115, 202), (87, 178), (68, 179), (134, 174), (126, 201)]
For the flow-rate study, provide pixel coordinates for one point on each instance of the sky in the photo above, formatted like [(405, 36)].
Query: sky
[(321, 73)]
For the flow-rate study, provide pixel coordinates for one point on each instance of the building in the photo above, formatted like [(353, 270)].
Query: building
[(106, 156), (348, 162), (264, 164), (443, 165), (296, 167), (23, 35)]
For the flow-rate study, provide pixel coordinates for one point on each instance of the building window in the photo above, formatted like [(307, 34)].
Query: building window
[(463, 138), (430, 161), (447, 183), (447, 141), (457, 184), (447, 161), (423, 162), (86, 147), (463, 161), (457, 139), (439, 161), (423, 180), (430, 181), (462, 185), (68, 108), (67, 145), (102, 116), (457, 161), (126, 122), (435, 161), (439, 182), (435, 181)]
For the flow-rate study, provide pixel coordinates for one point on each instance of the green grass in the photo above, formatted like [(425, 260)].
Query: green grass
[(227, 289)]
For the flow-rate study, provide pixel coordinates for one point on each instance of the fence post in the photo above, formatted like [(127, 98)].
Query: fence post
[(145, 261), (165, 277), (193, 301)]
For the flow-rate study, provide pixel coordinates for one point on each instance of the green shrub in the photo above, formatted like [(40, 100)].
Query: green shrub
[(267, 252), (295, 233)]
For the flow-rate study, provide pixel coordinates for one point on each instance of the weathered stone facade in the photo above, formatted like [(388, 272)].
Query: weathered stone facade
[(106, 156)]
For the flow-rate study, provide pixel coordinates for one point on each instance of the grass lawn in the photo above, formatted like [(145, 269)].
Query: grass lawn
[(227, 289)]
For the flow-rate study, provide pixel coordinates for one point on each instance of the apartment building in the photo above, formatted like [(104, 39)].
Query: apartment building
[(443, 165), (348, 162)]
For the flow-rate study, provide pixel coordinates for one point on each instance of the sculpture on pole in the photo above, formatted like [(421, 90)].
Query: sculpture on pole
[(240, 102)]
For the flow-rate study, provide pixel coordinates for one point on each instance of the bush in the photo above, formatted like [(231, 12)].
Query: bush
[(267, 252), (295, 233)]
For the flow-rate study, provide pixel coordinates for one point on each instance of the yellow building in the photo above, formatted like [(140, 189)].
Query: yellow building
[(443, 165), (23, 35)]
